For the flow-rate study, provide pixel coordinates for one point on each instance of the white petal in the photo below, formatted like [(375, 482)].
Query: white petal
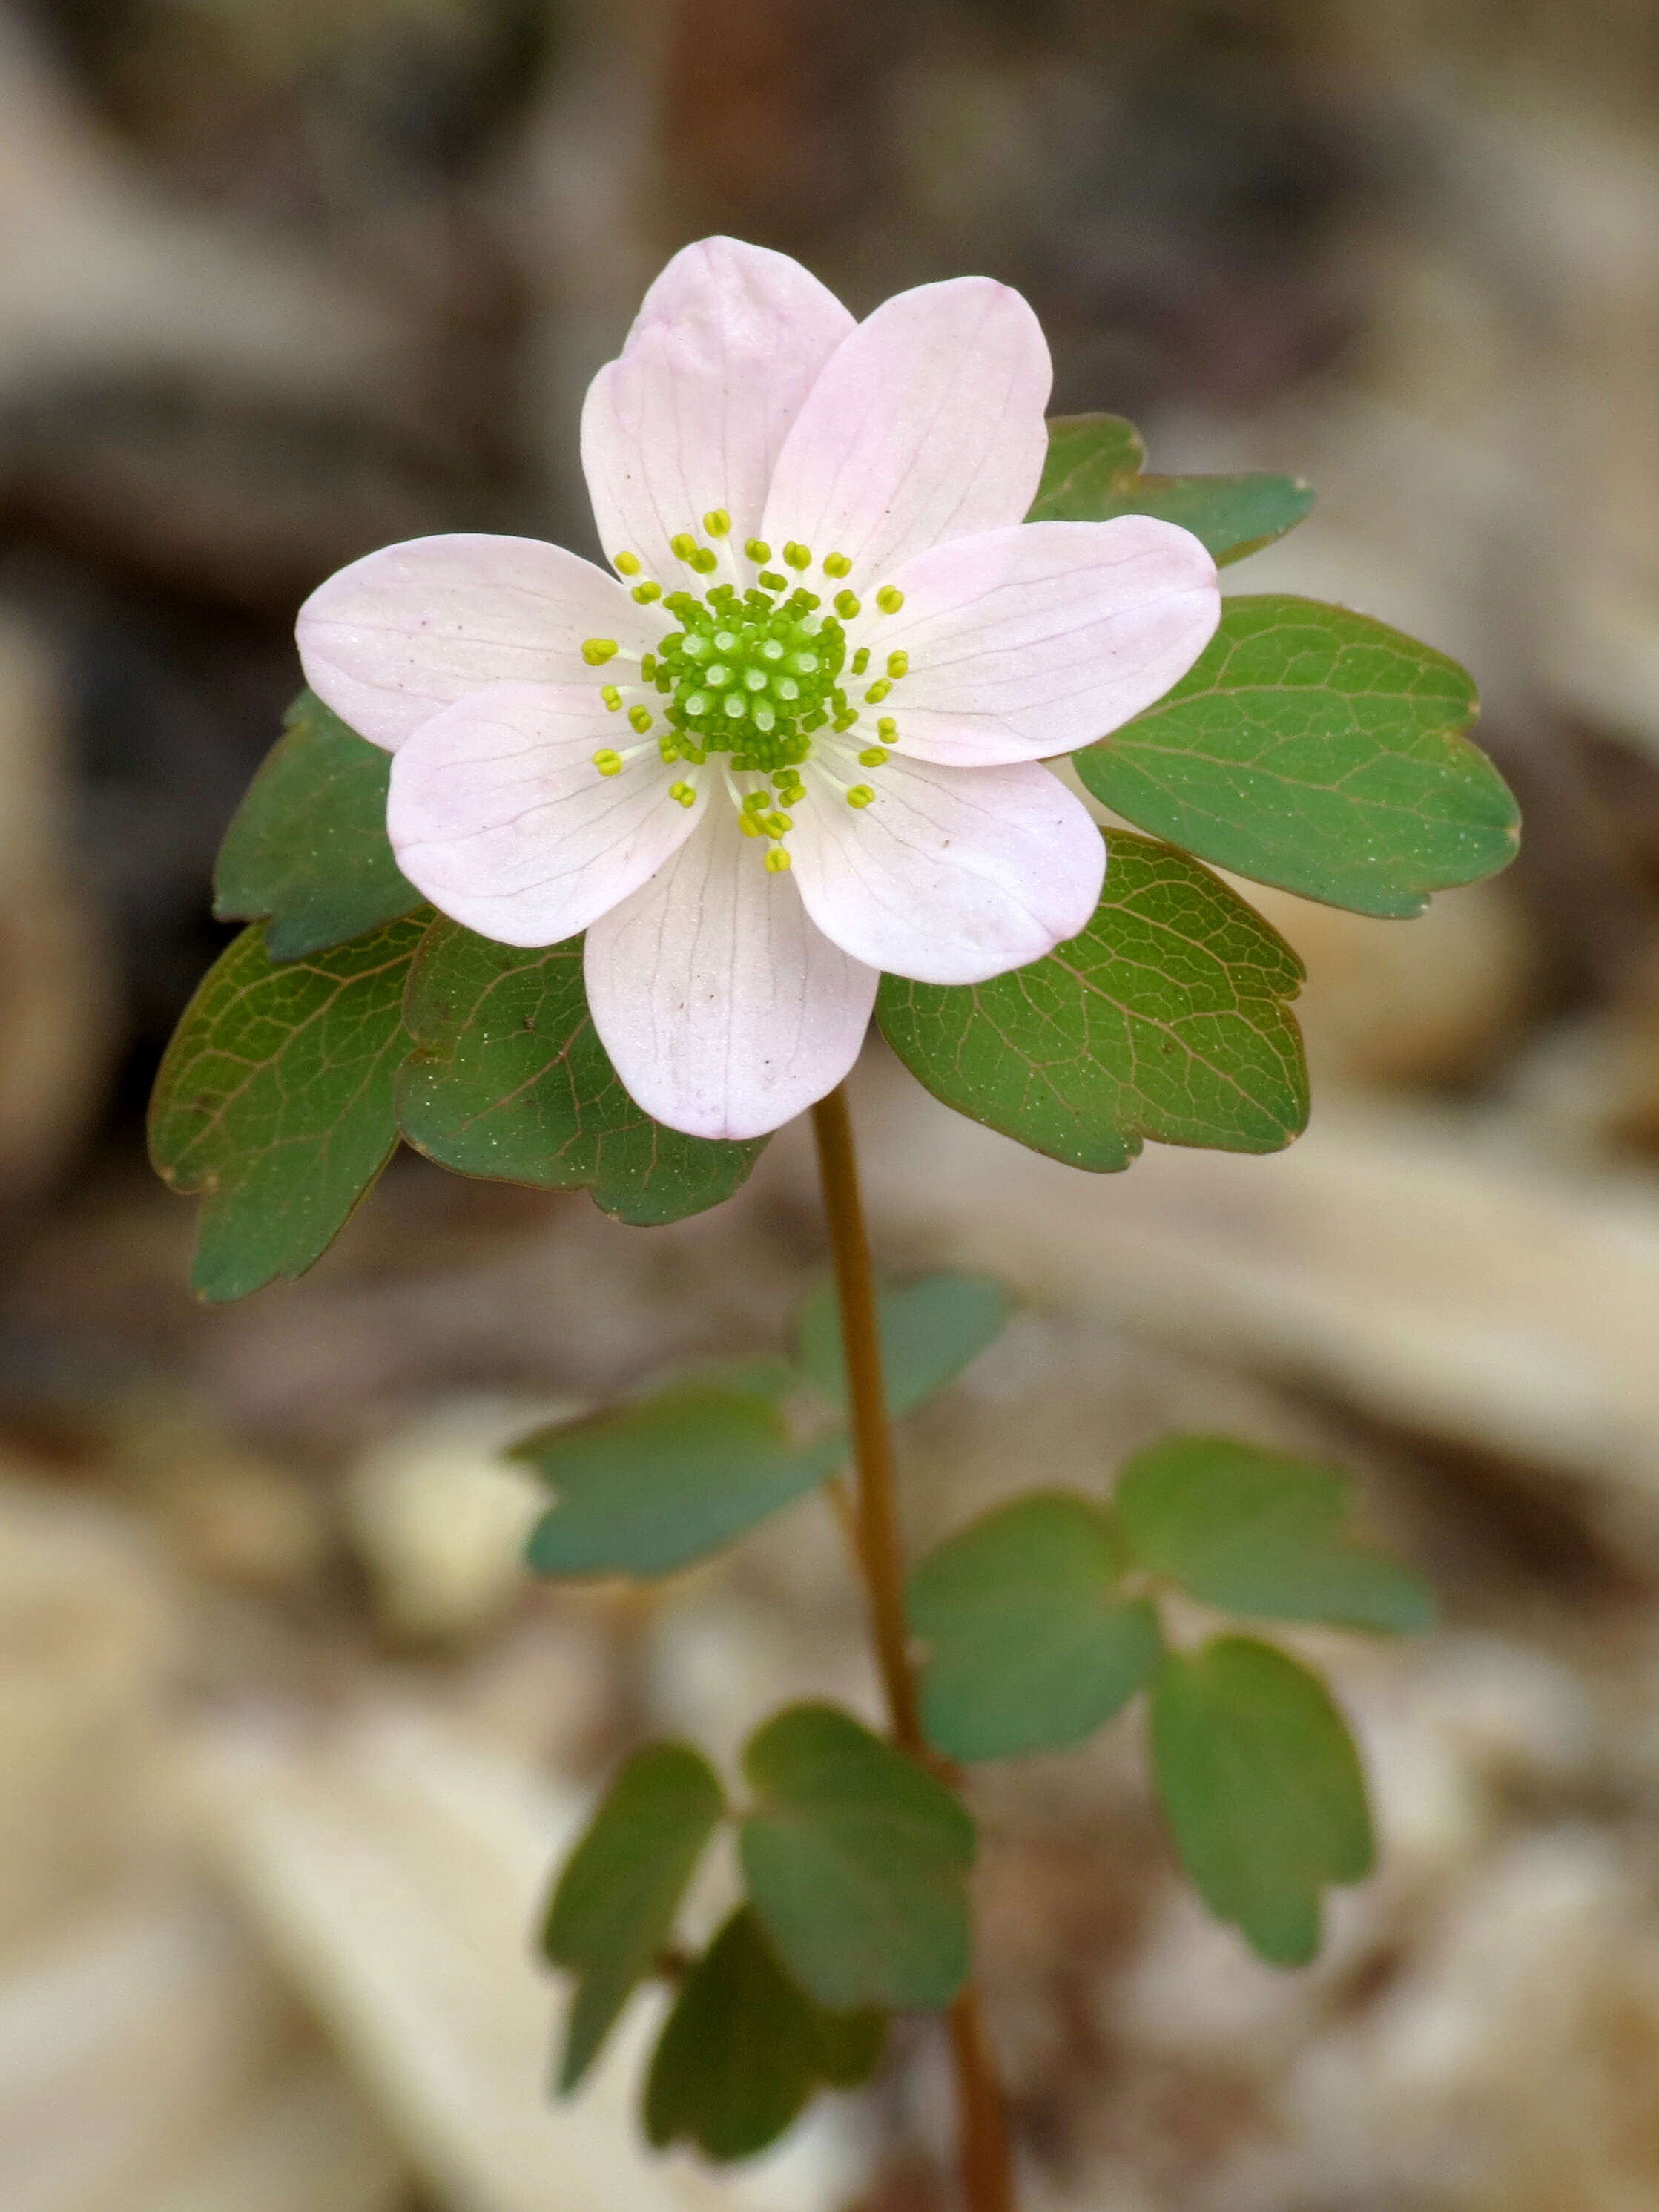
[(403, 632), (724, 1011), (1031, 642), (925, 425), (498, 814), (953, 874), (726, 346)]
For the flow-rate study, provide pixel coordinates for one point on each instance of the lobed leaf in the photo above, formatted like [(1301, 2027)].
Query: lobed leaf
[(649, 1486), (743, 2049), (1263, 1789), (1093, 472), (1029, 1646), (613, 1910), (857, 1863), (1167, 1018), (510, 1080), (930, 1329), (274, 1101), (306, 851), (1317, 750), (1256, 1532)]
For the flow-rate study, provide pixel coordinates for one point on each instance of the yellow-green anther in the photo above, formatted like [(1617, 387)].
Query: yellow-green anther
[(772, 580), (758, 549), (861, 660), (777, 861), (755, 802), (596, 651), (899, 663), (668, 747), (890, 600), (877, 691), (705, 560), (683, 545), (777, 825), (846, 605), (749, 826), (836, 564), (612, 697), (873, 756), (646, 592), (797, 555), (860, 795), (608, 763), (649, 667), (717, 522), (629, 563), (686, 792), (887, 729), (640, 717)]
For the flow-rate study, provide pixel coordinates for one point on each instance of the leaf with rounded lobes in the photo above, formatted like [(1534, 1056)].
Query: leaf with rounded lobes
[(1317, 750), (648, 1486), (612, 1911), (930, 1329), (306, 851), (1093, 472), (857, 1863), (274, 1101), (1263, 1789), (1167, 1018), (509, 1081), (1029, 1647), (743, 2049), (1259, 1533)]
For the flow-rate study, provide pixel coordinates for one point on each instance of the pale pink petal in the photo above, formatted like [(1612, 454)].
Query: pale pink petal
[(409, 629), (1031, 642), (497, 813), (953, 874), (724, 1011), (727, 344), (925, 425)]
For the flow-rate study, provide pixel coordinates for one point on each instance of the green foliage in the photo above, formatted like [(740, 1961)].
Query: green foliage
[(857, 1863), (1253, 1532), (307, 853), (930, 1329), (1093, 472), (1167, 1018), (1029, 1646), (510, 1080), (743, 2049), (653, 1484), (275, 1101), (1262, 1789), (1319, 751), (613, 1910)]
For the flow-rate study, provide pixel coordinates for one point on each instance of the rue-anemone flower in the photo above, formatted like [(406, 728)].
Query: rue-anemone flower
[(796, 739)]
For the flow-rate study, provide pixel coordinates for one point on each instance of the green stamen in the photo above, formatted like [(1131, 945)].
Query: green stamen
[(889, 600), (836, 564), (608, 763), (860, 795), (612, 697), (596, 651), (758, 549), (717, 522), (640, 717)]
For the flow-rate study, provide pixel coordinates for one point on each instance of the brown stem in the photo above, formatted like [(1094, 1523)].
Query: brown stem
[(986, 2175)]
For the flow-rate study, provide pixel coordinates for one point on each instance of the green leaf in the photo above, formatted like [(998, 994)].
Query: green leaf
[(274, 1101), (1319, 751), (743, 2049), (306, 851), (930, 1329), (857, 1863), (510, 1080), (651, 1485), (1167, 1018), (1262, 1789), (613, 1910), (1029, 1646), (1255, 1532), (1093, 472)]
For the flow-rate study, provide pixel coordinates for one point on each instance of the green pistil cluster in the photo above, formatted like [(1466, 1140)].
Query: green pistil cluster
[(753, 675)]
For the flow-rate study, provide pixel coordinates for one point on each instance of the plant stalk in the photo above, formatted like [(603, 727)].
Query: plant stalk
[(987, 2169)]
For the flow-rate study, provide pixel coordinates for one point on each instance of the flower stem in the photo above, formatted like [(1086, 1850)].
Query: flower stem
[(987, 2174)]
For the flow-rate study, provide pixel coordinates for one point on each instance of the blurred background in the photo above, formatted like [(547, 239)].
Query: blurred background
[(287, 1747)]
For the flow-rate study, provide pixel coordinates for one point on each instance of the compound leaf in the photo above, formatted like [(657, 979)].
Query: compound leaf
[(275, 1101), (509, 1080), (930, 1329), (1317, 750), (1167, 1018), (306, 851), (857, 1863), (1093, 472)]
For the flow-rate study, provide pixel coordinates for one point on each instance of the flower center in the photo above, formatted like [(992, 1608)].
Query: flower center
[(752, 674)]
